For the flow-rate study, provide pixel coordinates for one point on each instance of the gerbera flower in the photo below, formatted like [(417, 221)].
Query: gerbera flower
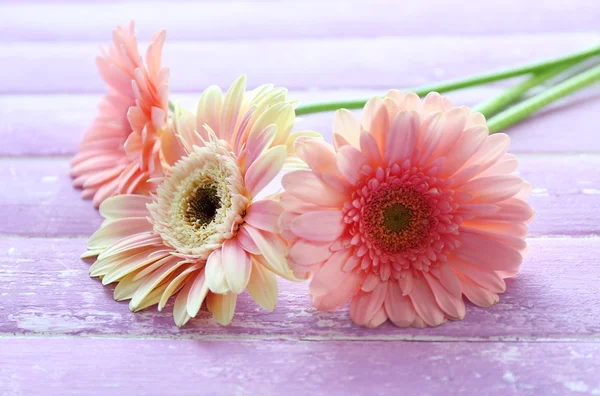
[(205, 235), (411, 209), (121, 150)]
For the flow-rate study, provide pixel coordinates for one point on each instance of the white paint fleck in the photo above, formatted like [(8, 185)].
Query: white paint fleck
[(511, 355), (11, 250), (477, 375), (436, 357), (49, 179), (584, 182), (577, 386), (596, 391), (539, 192), (325, 323), (509, 377), (591, 191)]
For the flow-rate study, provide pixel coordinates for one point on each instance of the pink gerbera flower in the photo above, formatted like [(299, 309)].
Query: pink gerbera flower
[(414, 207), (121, 150), (205, 234)]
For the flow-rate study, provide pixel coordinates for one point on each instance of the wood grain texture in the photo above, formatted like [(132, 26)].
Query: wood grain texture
[(52, 125), (36, 197), (375, 63), (190, 367), (292, 19), (46, 290)]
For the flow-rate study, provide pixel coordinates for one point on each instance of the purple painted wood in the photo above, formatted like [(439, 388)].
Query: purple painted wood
[(292, 19), (46, 290), (58, 132), (378, 63), (36, 198), (190, 367)]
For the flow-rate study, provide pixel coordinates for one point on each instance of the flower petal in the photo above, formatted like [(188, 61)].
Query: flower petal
[(402, 138), (365, 305), (264, 169), (320, 226), (306, 186), (424, 302), (262, 286), (237, 266), (215, 273), (264, 215), (222, 307), (346, 126), (398, 306), (350, 162)]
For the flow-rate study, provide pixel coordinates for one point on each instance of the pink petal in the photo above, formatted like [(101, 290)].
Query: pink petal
[(308, 253), (484, 277), (350, 162), (123, 206), (346, 126), (424, 302), (264, 215), (378, 319), (398, 306), (209, 109), (492, 189), (264, 169), (236, 265), (487, 253), (365, 305), (273, 250), (454, 307), (402, 138), (317, 154), (379, 127), (330, 276), (320, 226), (369, 148), (306, 186), (448, 280), (477, 294), (246, 241), (340, 296)]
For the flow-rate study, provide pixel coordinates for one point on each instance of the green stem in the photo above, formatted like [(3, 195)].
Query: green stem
[(457, 84), (498, 103), (533, 104)]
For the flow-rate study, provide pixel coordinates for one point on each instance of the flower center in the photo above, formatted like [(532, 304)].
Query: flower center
[(396, 219), (202, 205)]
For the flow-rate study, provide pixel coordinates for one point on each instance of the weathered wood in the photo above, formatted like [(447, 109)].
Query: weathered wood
[(37, 198), (46, 289), (189, 367), (375, 63), (50, 125), (292, 19)]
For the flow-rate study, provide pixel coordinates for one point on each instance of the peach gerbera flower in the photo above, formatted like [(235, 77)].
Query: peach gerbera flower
[(121, 150), (205, 235), (413, 208)]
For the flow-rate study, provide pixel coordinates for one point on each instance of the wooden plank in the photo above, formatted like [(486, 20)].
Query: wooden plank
[(376, 63), (157, 367), (294, 19), (58, 121), (37, 198), (46, 289)]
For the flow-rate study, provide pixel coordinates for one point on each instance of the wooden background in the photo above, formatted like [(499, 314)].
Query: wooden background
[(61, 332)]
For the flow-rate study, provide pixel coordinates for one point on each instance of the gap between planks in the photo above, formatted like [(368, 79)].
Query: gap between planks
[(595, 339)]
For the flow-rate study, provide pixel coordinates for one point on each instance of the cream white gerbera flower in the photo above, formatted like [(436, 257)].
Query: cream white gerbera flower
[(205, 236)]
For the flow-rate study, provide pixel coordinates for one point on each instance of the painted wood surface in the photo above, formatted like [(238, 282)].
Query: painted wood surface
[(369, 63), (46, 290), (62, 333), (192, 367), (292, 19)]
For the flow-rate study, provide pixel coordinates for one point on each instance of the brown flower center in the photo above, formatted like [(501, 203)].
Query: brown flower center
[(202, 206)]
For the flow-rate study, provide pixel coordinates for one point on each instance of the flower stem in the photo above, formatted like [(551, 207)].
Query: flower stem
[(452, 85), (498, 103), (533, 104)]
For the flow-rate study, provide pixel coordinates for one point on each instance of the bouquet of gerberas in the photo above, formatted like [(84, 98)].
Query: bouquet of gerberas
[(411, 208)]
